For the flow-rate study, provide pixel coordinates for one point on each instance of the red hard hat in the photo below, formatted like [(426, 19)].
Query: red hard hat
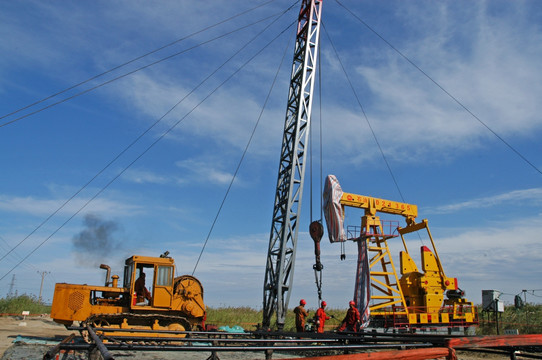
[(352, 302), (302, 302), (324, 303)]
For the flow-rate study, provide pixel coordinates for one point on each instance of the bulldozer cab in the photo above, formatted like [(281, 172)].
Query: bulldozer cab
[(159, 272)]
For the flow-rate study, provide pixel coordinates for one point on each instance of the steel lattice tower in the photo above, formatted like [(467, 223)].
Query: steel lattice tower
[(283, 237)]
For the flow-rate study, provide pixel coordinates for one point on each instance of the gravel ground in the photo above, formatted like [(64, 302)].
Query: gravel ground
[(43, 329), (35, 351), (39, 327)]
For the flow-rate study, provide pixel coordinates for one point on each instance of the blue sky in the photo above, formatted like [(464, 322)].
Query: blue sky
[(483, 202)]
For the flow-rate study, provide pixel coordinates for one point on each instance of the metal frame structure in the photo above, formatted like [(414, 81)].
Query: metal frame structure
[(283, 236), (416, 299), (387, 299), (419, 346)]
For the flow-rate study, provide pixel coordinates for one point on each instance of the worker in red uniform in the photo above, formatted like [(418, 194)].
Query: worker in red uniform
[(141, 291), (352, 319), (300, 315), (321, 317)]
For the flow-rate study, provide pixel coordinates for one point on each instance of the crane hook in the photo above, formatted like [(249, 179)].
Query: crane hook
[(317, 231)]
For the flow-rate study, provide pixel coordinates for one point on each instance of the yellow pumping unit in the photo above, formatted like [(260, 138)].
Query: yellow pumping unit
[(418, 297)]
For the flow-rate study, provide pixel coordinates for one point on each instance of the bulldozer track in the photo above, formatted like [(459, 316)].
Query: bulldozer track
[(112, 322), (137, 320)]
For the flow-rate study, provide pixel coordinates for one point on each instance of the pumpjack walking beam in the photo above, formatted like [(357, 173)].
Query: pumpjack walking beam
[(279, 269)]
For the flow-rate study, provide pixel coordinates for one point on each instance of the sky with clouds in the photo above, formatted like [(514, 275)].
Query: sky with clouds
[(146, 152)]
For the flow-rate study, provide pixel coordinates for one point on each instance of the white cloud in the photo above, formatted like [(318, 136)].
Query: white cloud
[(490, 63), (36, 206), (205, 171), (226, 119), (532, 197), (503, 258), (500, 259), (144, 177)]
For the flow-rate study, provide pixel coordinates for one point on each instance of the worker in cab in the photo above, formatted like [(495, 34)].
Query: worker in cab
[(321, 317), (352, 319), (141, 291), (300, 316)]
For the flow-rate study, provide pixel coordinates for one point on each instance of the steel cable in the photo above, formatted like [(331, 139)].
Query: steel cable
[(149, 147), (131, 61)]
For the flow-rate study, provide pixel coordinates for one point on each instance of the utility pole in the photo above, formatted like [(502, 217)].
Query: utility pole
[(43, 273)]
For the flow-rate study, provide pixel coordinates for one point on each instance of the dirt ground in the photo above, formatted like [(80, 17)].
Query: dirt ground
[(43, 329), (36, 327)]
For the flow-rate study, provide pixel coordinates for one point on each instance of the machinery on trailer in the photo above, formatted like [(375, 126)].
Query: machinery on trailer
[(416, 298), (173, 303)]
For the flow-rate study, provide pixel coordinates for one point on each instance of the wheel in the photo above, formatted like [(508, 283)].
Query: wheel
[(95, 323), (179, 325), (176, 327), (99, 323)]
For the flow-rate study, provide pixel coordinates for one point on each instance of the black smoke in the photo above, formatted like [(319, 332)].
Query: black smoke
[(96, 241)]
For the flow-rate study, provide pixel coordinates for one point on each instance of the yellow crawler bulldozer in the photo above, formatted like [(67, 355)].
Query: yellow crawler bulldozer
[(167, 303)]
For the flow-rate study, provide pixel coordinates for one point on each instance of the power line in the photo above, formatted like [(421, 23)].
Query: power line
[(365, 115), (240, 160), (150, 146), (388, 166), (134, 71), (8, 248), (130, 61), (138, 138)]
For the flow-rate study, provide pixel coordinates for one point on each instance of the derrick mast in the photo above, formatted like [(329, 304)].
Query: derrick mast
[(283, 236)]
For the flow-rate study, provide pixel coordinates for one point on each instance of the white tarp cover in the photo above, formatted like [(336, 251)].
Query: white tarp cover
[(333, 210)]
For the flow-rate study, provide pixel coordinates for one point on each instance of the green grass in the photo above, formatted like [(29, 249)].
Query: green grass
[(245, 317), (527, 320), (18, 304), (249, 318)]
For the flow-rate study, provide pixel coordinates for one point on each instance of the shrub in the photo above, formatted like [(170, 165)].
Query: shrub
[(18, 304), (527, 320)]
